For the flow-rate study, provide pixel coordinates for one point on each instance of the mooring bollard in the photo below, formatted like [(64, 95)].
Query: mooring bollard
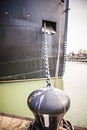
[(48, 106)]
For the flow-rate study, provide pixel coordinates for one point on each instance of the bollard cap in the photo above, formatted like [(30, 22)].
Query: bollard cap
[(50, 101)]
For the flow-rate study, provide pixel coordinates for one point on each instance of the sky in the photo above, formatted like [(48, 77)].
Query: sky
[(77, 26)]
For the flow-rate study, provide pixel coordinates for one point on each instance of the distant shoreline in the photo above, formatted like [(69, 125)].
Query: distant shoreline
[(75, 60)]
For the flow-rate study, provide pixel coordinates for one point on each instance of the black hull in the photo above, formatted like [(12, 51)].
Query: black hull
[(21, 22)]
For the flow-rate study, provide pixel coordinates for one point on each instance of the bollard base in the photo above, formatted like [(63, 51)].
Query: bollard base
[(64, 125)]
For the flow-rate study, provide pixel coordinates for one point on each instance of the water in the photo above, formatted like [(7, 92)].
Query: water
[(75, 85)]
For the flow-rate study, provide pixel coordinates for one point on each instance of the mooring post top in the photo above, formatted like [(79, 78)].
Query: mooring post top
[(48, 100)]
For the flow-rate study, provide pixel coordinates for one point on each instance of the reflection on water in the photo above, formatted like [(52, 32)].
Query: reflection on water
[(75, 85)]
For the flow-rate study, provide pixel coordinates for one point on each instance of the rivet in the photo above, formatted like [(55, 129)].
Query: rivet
[(28, 15), (6, 12)]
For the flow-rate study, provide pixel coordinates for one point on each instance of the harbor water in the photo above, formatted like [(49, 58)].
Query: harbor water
[(75, 85)]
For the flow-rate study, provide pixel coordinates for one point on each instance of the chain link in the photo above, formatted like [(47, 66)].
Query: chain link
[(45, 56)]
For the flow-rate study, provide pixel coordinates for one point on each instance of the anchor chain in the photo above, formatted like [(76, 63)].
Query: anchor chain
[(45, 56)]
